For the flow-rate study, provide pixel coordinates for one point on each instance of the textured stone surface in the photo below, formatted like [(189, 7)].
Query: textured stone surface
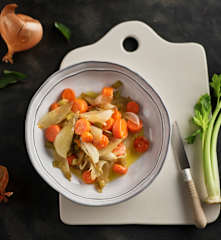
[(32, 213)]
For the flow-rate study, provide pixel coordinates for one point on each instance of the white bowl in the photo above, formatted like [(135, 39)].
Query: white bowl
[(92, 76)]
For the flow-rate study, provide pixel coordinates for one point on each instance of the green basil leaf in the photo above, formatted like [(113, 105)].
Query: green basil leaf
[(63, 29), (14, 74), (5, 81)]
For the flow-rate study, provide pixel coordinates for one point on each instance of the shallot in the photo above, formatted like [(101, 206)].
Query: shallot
[(4, 177), (20, 32)]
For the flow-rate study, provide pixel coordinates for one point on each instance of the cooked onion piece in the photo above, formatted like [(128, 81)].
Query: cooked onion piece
[(132, 117), (100, 116), (110, 147), (91, 151), (55, 116), (62, 163), (64, 138)]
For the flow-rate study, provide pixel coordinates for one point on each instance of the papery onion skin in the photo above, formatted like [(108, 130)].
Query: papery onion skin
[(20, 32)]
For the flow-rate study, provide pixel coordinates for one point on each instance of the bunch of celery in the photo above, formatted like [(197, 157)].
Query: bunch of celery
[(208, 124)]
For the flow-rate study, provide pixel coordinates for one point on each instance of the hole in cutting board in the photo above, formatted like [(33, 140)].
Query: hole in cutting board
[(130, 44)]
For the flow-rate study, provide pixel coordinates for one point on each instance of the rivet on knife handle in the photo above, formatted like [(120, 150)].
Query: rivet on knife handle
[(198, 212)]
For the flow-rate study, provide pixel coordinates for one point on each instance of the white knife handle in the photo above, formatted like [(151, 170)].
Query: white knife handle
[(198, 212)]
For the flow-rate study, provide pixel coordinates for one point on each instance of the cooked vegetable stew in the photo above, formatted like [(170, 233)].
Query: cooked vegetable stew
[(95, 136)]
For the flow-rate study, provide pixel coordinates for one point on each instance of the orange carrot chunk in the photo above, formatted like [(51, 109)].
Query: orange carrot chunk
[(79, 105), (141, 144), (51, 132), (119, 129), (102, 143), (116, 115), (120, 150), (70, 159), (133, 107), (117, 168), (86, 176), (87, 137), (68, 94), (109, 124), (54, 106), (134, 127), (82, 125), (108, 92)]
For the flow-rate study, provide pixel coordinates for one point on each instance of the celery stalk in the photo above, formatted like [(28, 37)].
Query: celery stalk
[(210, 161), (208, 127), (213, 154)]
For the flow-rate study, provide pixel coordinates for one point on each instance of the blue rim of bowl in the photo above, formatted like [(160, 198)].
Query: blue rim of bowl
[(142, 184)]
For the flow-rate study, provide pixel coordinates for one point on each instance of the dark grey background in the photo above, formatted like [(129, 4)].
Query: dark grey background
[(32, 213)]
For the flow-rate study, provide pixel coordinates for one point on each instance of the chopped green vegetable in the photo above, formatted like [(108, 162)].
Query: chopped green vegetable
[(208, 127), (76, 148), (49, 145), (62, 163), (117, 94), (63, 29), (117, 84), (120, 101), (90, 94), (89, 97)]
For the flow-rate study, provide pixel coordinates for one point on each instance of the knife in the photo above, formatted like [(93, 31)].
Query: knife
[(180, 154)]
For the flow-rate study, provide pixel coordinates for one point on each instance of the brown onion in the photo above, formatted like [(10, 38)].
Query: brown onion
[(20, 32)]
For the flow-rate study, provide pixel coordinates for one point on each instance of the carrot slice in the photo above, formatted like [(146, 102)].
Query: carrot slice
[(116, 115), (68, 94), (141, 144), (87, 137), (108, 92), (109, 124), (133, 107), (79, 105), (134, 127), (54, 106), (86, 176), (82, 125), (70, 159), (119, 129), (120, 150), (102, 143), (51, 132), (117, 168)]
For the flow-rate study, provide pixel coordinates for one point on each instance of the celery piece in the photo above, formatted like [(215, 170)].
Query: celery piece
[(208, 127)]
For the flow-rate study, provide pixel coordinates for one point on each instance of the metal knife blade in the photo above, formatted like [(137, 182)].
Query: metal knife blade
[(178, 147)]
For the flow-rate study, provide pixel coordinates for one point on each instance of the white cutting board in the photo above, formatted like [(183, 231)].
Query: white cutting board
[(178, 72)]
